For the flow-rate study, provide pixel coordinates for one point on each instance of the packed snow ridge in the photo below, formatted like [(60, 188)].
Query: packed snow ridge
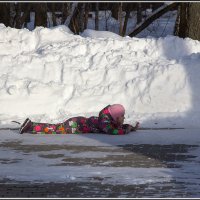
[(50, 74)]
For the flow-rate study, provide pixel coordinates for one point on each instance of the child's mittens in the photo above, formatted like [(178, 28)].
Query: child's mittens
[(136, 126), (129, 128)]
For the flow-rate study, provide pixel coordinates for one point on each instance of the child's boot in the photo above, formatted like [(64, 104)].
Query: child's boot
[(26, 126)]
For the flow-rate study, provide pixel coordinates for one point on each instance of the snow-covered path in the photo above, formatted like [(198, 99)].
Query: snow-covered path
[(152, 160)]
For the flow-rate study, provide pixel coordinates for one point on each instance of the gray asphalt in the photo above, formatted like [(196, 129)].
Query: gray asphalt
[(165, 156)]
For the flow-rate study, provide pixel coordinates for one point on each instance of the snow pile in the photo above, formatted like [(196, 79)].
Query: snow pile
[(100, 34), (51, 74)]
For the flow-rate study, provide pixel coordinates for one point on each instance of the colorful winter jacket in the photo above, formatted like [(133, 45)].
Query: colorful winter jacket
[(104, 123)]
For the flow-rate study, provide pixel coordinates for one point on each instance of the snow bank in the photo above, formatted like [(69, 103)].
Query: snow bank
[(51, 74)]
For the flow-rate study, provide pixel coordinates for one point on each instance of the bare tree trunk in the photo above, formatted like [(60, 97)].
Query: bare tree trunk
[(65, 12), (21, 19), (193, 22), (12, 14), (128, 11), (96, 16), (5, 14), (115, 10), (107, 17), (120, 17), (139, 13), (74, 24), (18, 23), (177, 23), (183, 20), (53, 15), (26, 15), (41, 14), (81, 17), (87, 9), (189, 21)]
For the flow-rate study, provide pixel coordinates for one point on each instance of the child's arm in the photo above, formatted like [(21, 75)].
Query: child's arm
[(130, 128), (107, 127), (136, 126)]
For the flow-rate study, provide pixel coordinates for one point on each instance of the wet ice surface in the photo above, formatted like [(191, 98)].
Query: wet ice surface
[(111, 166)]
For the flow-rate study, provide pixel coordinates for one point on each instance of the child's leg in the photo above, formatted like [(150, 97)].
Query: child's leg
[(47, 128), (72, 125), (76, 125)]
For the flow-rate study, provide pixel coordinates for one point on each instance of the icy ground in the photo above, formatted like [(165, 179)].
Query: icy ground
[(160, 163)]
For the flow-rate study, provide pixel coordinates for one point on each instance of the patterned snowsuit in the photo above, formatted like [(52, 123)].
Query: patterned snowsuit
[(104, 123)]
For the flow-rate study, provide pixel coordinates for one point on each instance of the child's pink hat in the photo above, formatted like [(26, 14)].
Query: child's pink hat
[(116, 110)]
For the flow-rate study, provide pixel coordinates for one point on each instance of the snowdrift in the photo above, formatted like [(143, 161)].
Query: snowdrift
[(51, 74)]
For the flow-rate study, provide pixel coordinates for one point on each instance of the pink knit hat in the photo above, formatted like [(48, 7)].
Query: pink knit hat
[(116, 110)]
